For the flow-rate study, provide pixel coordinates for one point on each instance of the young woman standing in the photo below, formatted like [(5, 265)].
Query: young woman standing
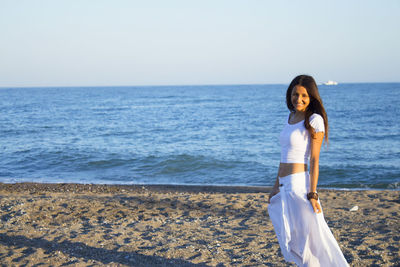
[(295, 209)]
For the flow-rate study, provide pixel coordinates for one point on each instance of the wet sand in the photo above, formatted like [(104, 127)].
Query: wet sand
[(97, 225)]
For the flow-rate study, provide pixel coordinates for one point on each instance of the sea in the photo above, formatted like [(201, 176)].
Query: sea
[(192, 135)]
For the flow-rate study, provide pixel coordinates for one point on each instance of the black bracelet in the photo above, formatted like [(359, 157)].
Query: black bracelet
[(312, 195)]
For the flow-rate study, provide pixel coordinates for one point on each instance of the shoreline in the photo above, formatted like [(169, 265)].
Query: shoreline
[(170, 225), (62, 187), (174, 187)]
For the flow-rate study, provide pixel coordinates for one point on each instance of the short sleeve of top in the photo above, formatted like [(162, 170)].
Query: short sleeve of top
[(317, 122)]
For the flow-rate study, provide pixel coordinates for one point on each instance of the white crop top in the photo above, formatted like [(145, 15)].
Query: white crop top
[(295, 140)]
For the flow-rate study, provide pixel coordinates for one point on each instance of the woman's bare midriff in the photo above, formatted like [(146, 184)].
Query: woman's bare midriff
[(286, 169)]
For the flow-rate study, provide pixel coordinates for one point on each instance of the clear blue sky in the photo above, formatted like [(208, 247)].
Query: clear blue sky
[(115, 42)]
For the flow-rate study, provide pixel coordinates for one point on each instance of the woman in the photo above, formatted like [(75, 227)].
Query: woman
[(294, 209)]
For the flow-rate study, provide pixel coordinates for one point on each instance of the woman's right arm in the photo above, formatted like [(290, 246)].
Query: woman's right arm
[(275, 189)]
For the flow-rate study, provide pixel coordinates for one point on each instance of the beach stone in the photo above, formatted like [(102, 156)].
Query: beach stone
[(355, 208)]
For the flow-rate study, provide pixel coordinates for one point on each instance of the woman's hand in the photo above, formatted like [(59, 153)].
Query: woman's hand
[(273, 193), (315, 205)]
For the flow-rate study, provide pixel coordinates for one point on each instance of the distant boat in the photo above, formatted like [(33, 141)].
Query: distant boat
[(330, 83)]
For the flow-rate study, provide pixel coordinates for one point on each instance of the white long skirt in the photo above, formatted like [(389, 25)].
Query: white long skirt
[(303, 235)]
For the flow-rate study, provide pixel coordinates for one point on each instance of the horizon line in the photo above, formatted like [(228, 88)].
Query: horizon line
[(177, 85)]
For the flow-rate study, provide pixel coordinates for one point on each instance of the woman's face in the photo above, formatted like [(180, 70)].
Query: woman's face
[(300, 98)]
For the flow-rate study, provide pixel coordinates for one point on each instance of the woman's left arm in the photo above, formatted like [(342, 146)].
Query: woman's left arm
[(316, 142)]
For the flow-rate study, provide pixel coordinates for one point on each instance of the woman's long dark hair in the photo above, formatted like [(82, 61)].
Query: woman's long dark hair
[(315, 105)]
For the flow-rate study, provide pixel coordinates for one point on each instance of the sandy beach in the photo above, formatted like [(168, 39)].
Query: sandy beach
[(97, 225)]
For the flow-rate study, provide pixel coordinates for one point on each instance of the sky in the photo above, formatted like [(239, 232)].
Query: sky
[(189, 42)]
